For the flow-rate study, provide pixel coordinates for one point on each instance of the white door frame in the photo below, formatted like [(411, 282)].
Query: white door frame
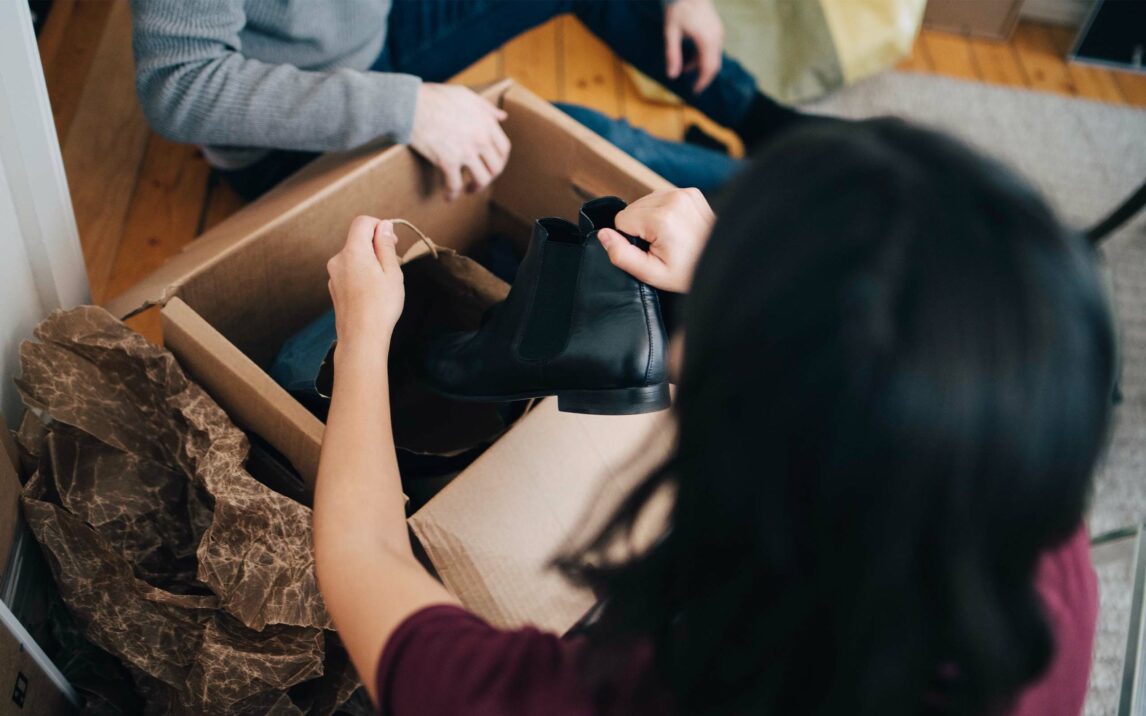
[(41, 263)]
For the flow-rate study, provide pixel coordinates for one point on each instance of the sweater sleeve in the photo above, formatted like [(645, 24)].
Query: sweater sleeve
[(196, 86)]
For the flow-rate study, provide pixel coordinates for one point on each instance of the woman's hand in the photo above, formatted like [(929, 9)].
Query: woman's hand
[(366, 285), (370, 580), (676, 223)]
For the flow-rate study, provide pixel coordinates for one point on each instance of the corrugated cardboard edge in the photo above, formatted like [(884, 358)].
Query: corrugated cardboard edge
[(33, 683), (8, 444), (326, 175), (257, 402), (584, 184), (492, 532), (10, 489), (24, 668)]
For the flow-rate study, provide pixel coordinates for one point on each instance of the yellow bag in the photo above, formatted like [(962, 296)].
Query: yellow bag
[(799, 50)]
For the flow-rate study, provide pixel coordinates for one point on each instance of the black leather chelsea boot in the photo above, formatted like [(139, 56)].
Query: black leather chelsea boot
[(573, 325)]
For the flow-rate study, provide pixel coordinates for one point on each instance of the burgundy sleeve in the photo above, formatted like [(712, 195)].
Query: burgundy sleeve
[(1069, 589), (444, 661)]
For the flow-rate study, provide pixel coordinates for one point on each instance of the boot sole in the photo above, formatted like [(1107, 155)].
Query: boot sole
[(614, 401)]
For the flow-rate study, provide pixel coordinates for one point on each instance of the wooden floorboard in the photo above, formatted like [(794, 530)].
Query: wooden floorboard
[(104, 147), (534, 59), (138, 198), (221, 203), (164, 212), (488, 69), (1088, 81), (918, 60), (663, 120), (68, 44), (950, 55), (1043, 63), (591, 75), (1132, 86), (51, 37), (997, 63)]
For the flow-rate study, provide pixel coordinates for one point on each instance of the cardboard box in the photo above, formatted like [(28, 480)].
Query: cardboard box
[(29, 682), (231, 299)]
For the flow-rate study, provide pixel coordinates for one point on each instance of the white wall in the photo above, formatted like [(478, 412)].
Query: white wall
[(21, 301), (41, 265)]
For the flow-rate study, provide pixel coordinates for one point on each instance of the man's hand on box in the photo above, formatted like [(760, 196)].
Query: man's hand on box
[(366, 284), (694, 20), (676, 223), (459, 132)]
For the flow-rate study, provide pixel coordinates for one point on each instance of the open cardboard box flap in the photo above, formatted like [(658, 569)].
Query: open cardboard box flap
[(332, 173), (238, 291), (493, 532)]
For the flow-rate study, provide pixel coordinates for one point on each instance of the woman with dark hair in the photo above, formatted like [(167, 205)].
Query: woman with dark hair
[(894, 388)]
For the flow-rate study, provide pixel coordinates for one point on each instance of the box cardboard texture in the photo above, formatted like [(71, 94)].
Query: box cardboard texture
[(24, 686), (231, 299)]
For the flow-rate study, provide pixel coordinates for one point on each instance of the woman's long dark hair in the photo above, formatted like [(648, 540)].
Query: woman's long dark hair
[(896, 383)]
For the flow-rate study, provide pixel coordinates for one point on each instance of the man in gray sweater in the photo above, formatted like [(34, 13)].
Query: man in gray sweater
[(265, 85)]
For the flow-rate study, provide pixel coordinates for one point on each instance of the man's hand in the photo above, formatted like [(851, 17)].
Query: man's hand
[(676, 223), (695, 20), (366, 285), (457, 129)]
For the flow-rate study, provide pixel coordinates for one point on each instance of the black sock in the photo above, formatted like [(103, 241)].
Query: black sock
[(764, 119), (697, 136)]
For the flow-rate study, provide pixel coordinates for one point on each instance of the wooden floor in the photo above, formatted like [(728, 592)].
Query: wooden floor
[(139, 198)]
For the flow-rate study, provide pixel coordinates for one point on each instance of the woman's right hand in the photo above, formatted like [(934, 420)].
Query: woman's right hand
[(676, 223), (366, 286)]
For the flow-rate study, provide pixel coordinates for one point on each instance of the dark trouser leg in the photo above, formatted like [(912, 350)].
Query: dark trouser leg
[(682, 164), (254, 181), (635, 31), (435, 39)]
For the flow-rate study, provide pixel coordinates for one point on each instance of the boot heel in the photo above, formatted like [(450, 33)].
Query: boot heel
[(618, 401)]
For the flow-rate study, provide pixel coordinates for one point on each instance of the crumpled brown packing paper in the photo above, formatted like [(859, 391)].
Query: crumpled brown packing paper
[(170, 556)]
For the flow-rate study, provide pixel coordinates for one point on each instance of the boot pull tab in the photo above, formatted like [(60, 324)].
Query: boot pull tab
[(425, 239), (635, 241)]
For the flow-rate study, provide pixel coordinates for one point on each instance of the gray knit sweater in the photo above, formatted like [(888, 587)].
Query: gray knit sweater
[(242, 76)]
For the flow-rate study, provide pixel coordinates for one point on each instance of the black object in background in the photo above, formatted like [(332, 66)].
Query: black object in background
[(1114, 34), (40, 10)]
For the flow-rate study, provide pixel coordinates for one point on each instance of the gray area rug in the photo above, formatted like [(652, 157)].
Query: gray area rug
[(1086, 157)]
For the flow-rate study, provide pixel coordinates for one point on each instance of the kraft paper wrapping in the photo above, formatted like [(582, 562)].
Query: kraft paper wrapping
[(167, 552)]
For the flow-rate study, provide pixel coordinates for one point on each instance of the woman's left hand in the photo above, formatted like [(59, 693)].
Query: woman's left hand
[(366, 284)]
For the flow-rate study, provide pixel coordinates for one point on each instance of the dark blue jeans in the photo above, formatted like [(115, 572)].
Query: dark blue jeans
[(436, 39), (682, 164)]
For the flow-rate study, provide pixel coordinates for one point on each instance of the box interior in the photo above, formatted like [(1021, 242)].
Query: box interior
[(263, 291), (237, 292), (240, 290)]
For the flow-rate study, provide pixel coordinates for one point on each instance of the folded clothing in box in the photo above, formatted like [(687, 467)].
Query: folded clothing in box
[(169, 555)]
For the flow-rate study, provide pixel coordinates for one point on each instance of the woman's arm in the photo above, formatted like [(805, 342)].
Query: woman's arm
[(369, 577)]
